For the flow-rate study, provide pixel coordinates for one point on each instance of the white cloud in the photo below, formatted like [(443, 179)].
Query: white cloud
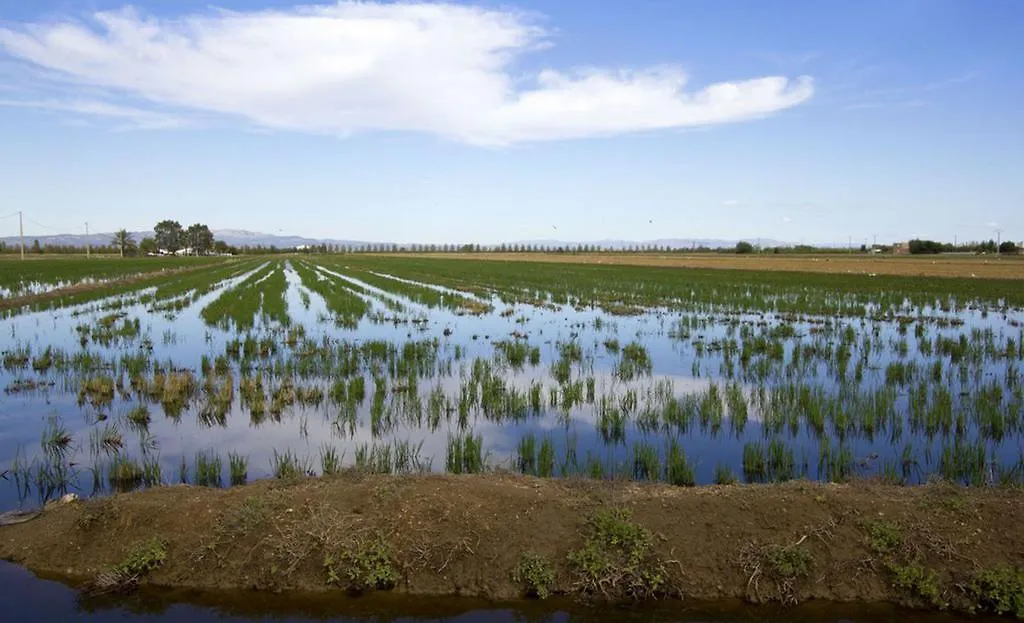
[(730, 203), (442, 69)]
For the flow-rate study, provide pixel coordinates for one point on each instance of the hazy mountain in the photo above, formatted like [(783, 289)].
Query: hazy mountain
[(241, 237)]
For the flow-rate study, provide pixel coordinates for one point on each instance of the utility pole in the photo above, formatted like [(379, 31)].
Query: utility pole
[(21, 233), (87, 240)]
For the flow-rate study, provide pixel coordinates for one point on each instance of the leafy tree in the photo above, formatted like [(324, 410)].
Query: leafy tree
[(219, 246), (148, 245), (35, 246), (1008, 247), (199, 238), (919, 247), (744, 247), (169, 235), (123, 242)]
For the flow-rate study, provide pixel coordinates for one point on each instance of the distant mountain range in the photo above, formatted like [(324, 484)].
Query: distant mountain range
[(241, 237)]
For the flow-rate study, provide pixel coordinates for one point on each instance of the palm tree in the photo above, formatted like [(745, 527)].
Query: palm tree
[(122, 240)]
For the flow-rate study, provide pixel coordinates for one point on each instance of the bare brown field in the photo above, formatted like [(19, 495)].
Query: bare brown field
[(981, 267)]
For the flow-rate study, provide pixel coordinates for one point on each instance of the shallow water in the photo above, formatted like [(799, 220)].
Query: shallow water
[(25, 598), (596, 419)]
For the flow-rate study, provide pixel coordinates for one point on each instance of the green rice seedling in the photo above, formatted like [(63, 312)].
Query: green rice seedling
[(724, 475), (106, 440), (678, 469), (736, 402), (546, 458), (124, 473), (139, 416), (526, 456), (152, 474), (635, 361), (98, 391), (594, 467), (330, 462), (755, 462), (711, 409), (611, 345), (56, 439), (408, 458), (534, 356), (963, 461), (646, 464), (465, 454), (515, 353), (208, 469), (238, 467), (289, 465)]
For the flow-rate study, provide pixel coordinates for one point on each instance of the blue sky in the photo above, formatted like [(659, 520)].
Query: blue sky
[(499, 121)]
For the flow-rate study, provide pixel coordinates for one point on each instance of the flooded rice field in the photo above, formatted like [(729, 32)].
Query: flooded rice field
[(237, 370)]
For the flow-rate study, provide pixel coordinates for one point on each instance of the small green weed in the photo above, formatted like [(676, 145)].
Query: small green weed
[(1000, 590), (884, 537), (922, 583), (363, 566), (617, 558), (535, 574), (783, 565)]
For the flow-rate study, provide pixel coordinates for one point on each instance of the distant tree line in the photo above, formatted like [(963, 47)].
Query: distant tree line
[(171, 238), (931, 247)]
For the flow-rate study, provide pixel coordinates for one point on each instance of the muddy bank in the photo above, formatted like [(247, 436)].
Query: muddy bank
[(499, 536)]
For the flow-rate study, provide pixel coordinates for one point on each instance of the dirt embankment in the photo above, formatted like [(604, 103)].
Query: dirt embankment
[(500, 536), (980, 267)]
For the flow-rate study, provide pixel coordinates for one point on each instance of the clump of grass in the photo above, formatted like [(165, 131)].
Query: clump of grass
[(546, 458), (141, 559), (1000, 590), (724, 475), (330, 462), (617, 558), (526, 457), (238, 466), (678, 470), (635, 361), (646, 464), (124, 473), (465, 454), (208, 469), (139, 415), (362, 566), (152, 472), (55, 439), (288, 465), (97, 391), (535, 574)]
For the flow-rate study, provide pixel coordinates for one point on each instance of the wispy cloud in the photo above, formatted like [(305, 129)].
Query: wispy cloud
[(441, 69), (951, 82), (127, 117), (730, 203)]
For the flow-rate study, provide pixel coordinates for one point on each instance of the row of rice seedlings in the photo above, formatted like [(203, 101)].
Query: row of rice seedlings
[(238, 305), (346, 306)]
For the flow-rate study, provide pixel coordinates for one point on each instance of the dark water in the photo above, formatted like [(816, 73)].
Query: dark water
[(25, 598)]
